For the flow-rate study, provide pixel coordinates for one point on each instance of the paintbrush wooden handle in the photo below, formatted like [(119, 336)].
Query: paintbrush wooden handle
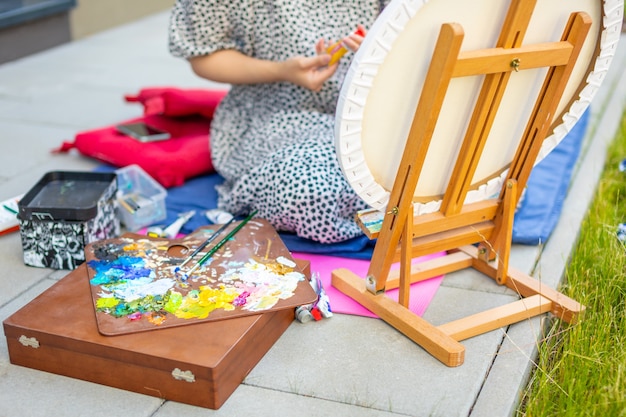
[(207, 242)]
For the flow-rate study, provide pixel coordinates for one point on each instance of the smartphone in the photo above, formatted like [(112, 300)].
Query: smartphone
[(142, 132)]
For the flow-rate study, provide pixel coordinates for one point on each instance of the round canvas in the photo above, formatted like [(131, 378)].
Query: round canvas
[(381, 91)]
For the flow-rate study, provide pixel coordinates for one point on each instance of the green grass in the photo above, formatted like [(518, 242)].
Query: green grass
[(581, 368)]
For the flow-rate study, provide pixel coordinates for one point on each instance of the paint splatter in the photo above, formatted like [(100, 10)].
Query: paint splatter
[(136, 281), (266, 283), (242, 299), (199, 303)]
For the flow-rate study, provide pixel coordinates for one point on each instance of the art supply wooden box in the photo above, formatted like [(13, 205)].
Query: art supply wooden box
[(64, 212), (199, 364)]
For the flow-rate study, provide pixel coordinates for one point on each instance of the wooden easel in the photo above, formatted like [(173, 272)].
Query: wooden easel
[(457, 227)]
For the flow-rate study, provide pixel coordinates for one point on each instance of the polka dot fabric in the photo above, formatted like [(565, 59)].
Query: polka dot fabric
[(274, 143)]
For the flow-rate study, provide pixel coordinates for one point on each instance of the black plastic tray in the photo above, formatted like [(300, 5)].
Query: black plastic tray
[(66, 195)]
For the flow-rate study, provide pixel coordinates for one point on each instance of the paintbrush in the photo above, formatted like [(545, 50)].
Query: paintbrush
[(221, 242), (207, 242)]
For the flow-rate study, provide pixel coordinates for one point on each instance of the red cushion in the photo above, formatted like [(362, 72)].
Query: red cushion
[(174, 102), (170, 162)]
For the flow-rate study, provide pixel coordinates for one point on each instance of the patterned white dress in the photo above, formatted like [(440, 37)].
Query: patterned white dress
[(274, 143)]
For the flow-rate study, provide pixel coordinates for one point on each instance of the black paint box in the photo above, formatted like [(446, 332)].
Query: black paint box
[(63, 213)]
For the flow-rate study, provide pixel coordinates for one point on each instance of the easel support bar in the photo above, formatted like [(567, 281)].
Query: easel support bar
[(496, 318), (434, 267), (497, 60), (563, 307)]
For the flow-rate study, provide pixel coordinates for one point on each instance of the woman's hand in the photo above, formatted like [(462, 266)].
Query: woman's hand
[(309, 72), (232, 67)]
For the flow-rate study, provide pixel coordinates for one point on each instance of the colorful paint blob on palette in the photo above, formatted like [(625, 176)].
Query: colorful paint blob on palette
[(136, 280)]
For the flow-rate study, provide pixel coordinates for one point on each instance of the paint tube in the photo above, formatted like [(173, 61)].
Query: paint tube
[(303, 315), (323, 304), (217, 216), (320, 308), (173, 229), (337, 49)]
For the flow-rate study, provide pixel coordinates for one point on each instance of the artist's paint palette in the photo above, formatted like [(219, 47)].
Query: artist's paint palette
[(381, 91), (137, 284)]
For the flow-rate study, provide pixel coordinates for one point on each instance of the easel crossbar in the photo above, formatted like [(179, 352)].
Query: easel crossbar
[(497, 60), (496, 318)]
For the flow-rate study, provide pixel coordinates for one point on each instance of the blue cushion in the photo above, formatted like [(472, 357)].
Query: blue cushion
[(547, 187)]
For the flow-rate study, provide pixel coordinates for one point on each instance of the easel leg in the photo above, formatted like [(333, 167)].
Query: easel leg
[(400, 202)]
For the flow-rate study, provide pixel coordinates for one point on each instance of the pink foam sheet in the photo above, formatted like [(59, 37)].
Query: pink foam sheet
[(421, 292)]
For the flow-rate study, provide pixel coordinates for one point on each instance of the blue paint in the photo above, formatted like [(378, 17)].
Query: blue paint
[(121, 269)]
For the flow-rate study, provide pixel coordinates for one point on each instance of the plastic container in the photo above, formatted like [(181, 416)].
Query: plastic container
[(140, 199), (63, 213)]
